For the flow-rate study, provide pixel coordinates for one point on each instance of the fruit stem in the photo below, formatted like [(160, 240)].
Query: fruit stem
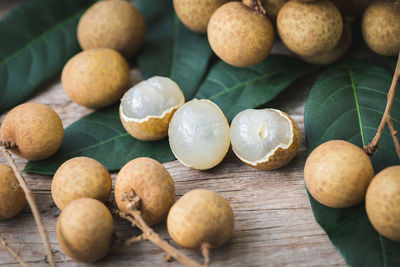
[(32, 204), (137, 220), (257, 6), (205, 250), (16, 256), (8, 145), (386, 119)]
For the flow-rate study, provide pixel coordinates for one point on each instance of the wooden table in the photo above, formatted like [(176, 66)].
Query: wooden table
[(274, 224)]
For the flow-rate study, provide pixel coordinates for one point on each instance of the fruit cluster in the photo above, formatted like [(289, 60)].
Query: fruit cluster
[(339, 174), (318, 31)]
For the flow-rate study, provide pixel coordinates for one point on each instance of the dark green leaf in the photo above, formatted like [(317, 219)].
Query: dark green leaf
[(235, 89), (347, 102), (36, 39), (101, 136), (170, 49)]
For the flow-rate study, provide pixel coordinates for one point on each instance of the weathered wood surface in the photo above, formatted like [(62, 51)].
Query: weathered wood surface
[(274, 224)]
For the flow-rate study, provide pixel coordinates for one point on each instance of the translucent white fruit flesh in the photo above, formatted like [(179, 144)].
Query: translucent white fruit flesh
[(199, 134), (256, 134), (151, 98)]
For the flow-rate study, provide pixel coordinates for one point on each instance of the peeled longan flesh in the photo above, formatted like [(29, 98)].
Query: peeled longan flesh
[(151, 182), (381, 28), (78, 178), (113, 24), (195, 14), (147, 108), (84, 230), (337, 174), (12, 197), (310, 28), (239, 35), (383, 202), (36, 130), (199, 134), (200, 217), (96, 78)]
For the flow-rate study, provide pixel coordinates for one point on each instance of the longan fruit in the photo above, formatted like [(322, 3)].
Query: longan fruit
[(35, 129), (78, 178), (116, 24), (200, 217), (239, 35), (96, 78), (337, 174), (151, 182), (310, 28), (84, 230), (381, 28), (12, 197)]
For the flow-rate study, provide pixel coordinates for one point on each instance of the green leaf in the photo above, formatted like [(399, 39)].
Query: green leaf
[(347, 102), (170, 49), (235, 89), (101, 136), (37, 38)]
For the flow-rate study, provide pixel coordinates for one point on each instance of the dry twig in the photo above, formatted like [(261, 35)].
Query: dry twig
[(16, 256), (32, 203), (134, 216), (386, 118)]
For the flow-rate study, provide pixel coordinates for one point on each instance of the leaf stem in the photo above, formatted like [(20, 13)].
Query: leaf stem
[(386, 119), (32, 203), (13, 253)]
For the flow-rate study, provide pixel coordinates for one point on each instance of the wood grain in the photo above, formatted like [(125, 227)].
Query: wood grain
[(274, 224)]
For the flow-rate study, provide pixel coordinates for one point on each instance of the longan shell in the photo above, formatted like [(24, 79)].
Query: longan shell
[(271, 7), (381, 28), (310, 28), (337, 174), (152, 129), (35, 128), (239, 35), (96, 78), (84, 230), (112, 24), (282, 156), (195, 14), (152, 183), (336, 53), (80, 177), (383, 202), (12, 197), (200, 217)]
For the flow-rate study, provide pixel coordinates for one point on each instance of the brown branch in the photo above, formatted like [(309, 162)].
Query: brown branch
[(386, 119), (15, 254), (134, 239), (32, 203), (136, 219), (205, 250)]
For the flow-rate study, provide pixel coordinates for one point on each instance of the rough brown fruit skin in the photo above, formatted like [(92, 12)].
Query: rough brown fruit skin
[(310, 28), (381, 28), (239, 35), (195, 14), (96, 78), (337, 174), (84, 230), (336, 53), (12, 197), (152, 130), (152, 183), (271, 7), (282, 157), (198, 217), (383, 202), (35, 128), (112, 24), (80, 177)]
